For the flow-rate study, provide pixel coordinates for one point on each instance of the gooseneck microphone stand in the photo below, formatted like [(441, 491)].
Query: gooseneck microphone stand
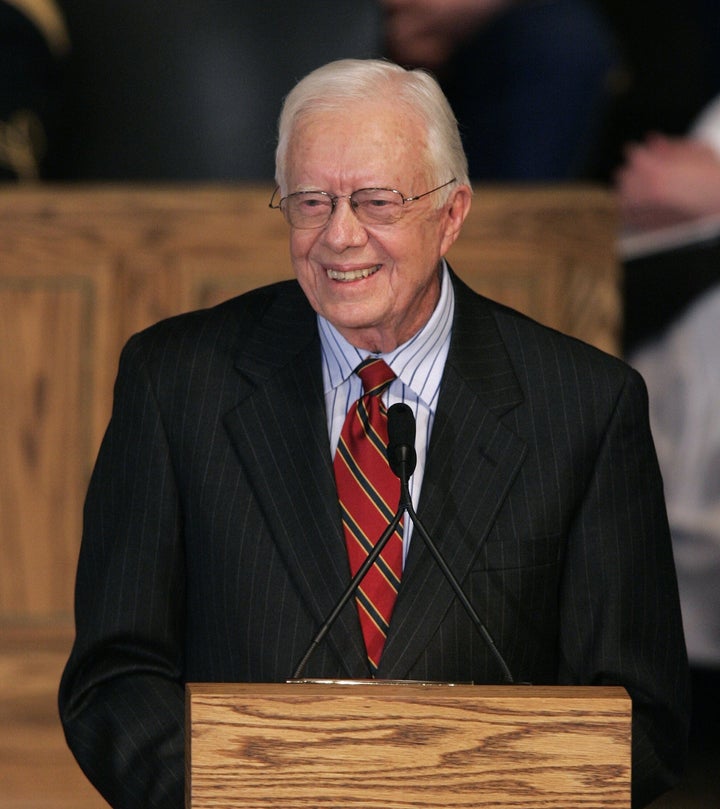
[(402, 458)]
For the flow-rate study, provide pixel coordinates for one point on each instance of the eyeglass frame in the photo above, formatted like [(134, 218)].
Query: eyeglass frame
[(334, 199)]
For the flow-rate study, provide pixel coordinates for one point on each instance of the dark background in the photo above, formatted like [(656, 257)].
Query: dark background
[(190, 89)]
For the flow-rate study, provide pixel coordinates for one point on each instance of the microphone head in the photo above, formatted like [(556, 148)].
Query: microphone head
[(401, 440)]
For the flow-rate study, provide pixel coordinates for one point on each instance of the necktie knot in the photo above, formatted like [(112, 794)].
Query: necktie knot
[(375, 374)]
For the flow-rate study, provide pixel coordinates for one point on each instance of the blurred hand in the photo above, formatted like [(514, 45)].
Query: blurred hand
[(426, 32), (664, 176)]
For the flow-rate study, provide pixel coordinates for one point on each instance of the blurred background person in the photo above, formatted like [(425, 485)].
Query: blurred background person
[(184, 90), (668, 190), (33, 44), (175, 89), (529, 80), (665, 180), (669, 71), (682, 372), (546, 90)]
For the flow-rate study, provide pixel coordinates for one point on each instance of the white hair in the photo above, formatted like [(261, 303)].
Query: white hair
[(333, 86)]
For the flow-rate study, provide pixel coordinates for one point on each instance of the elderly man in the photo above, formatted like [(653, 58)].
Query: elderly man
[(243, 477)]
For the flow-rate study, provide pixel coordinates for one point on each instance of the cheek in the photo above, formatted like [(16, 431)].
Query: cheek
[(300, 246), (304, 270), (410, 261)]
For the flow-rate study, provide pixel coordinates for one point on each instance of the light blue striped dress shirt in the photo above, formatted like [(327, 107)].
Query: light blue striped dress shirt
[(418, 365)]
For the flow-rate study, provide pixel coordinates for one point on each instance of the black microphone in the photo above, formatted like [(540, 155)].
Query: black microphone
[(402, 458), (401, 440)]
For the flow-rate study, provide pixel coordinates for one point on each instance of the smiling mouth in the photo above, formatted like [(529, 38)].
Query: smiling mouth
[(352, 275)]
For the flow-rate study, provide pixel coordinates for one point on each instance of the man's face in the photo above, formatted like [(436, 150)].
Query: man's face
[(377, 284)]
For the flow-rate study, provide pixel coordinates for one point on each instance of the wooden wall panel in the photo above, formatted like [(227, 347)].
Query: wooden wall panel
[(37, 769), (82, 268), (549, 252), (54, 382)]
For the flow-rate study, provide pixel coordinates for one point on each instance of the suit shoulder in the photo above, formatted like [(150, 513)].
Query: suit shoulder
[(226, 324), (551, 357), (534, 349)]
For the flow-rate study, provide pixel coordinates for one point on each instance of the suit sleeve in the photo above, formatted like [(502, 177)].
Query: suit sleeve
[(621, 619), (121, 696)]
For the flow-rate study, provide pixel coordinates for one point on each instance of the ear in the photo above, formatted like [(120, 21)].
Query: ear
[(456, 209)]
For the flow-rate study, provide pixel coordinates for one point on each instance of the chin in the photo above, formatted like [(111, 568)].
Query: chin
[(354, 316)]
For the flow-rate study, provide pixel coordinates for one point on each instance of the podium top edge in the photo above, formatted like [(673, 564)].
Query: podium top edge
[(398, 688)]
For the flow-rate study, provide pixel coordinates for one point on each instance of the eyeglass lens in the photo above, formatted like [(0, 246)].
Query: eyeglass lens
[(307, 209)]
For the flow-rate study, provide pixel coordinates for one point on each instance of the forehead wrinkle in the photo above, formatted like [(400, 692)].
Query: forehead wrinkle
[(327, 155)]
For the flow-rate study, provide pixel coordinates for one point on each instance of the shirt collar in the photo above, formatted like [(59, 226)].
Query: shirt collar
[(412, 361)]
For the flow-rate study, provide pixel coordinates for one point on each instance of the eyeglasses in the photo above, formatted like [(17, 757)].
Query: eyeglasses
[(372, 206)]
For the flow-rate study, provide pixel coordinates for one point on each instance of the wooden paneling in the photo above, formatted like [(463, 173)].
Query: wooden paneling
[(53, 349), (81, 268), (37, 770), (549, 252)]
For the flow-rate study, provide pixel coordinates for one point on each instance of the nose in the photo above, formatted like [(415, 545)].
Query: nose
[(344, 229)]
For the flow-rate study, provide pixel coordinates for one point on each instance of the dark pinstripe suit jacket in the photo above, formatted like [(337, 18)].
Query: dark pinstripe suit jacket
[(213, 548)]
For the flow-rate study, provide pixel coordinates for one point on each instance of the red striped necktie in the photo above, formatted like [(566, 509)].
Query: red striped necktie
[(369, 492)]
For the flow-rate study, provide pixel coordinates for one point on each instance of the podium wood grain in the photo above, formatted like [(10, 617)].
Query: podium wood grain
[(397, 746)]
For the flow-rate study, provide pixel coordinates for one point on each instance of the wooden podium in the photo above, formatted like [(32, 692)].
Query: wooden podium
[(364, 745)]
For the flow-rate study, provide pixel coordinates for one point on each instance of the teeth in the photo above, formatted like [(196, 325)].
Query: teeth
[(353, 275)]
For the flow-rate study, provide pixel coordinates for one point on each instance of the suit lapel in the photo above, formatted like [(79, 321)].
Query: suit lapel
[(279, 431), (471, 463), (472, 460)]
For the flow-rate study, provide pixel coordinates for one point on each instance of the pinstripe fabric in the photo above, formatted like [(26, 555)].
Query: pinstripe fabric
[(213, 547)]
